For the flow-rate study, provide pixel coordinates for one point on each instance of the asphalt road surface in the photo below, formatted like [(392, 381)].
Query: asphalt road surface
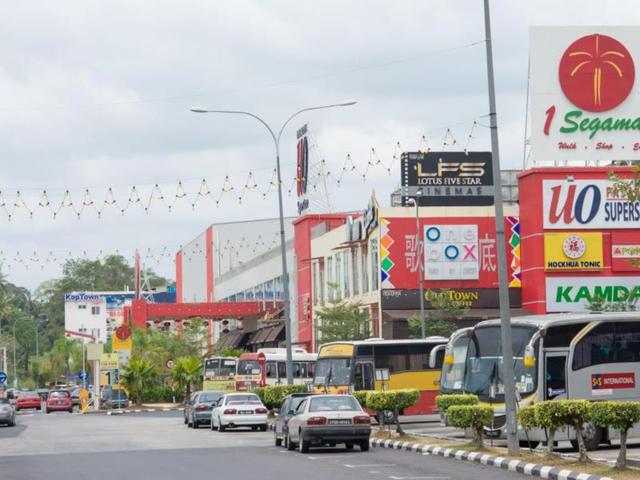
[(159, 446)]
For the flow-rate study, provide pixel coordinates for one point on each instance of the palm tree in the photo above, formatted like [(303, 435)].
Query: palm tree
[(187, 371), (138, 375)]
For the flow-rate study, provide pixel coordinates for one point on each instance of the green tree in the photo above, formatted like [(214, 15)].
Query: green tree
[(618, 415), (343, 320), (187, 372), (441, 318), (138, 375), (230, 352)]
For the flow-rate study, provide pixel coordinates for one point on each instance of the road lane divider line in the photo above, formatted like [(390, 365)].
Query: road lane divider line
[(370, 465)]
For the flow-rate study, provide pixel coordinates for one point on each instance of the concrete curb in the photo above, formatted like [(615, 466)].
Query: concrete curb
[(136, 410), (513, 465)]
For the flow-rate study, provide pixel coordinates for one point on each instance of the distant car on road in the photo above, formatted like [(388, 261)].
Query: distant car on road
[(200, 409), (28, 399), (328, 420), (285, 412), (7, 413), (115, 398), (235, 410), (59, 400)]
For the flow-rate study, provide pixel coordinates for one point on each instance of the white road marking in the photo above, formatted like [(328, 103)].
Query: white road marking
[(330, 456), (369, 465), (419, 478)]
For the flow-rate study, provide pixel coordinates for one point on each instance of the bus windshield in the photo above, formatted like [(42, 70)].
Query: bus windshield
[(453, 374), (333, 371), (219, 367), (484, 365)]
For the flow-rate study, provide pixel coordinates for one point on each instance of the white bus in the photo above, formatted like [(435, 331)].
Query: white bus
[(251, 375), (563, 356)]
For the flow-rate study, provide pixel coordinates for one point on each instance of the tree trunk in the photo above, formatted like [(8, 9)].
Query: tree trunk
[(396, 413), (583, 457), (621, 462), (550, 437), (478, 436)]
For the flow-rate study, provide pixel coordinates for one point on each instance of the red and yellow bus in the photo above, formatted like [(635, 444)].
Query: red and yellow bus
[(377, 364)]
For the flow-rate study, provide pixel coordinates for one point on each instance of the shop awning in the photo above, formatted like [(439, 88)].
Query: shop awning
[(233, 339), (269, 334)]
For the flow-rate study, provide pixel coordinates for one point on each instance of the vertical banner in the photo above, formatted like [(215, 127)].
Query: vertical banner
[(302, 170), (137, 275)]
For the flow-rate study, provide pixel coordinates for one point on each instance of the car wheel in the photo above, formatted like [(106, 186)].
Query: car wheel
[(592, 437), (349, 445), (71, 410), (213, 425), (196, 425), (364, 445), (303, 445), (263, 428), (277, 441), (185, 420), (254, 428), (221, 427), (289, 442)]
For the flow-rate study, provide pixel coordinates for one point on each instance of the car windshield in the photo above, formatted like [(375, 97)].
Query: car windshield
[(4, 401), (210, 397), (59, 394), (119, 395), (333, 371), (484, 366), (238, 399), (328, 404), (453, 373), (28, 394)]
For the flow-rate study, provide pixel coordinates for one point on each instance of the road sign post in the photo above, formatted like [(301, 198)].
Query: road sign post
[(3, 377)]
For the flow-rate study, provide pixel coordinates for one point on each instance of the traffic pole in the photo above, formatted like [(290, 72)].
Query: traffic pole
[(505, 307)]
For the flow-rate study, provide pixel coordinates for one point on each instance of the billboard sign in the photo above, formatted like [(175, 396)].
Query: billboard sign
[(573, 294), (451, 252), (447, 178), (573, 251), (584, 102), (302, 169), (587, 204), (409, 299), (625, 252)]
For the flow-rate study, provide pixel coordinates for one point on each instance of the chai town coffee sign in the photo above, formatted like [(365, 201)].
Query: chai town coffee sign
[(584, 99)]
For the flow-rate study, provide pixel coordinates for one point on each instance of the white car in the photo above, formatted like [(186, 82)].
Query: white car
[(235, 410), (327, 420)]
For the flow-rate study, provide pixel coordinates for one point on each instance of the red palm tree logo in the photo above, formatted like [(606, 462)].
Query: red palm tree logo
[(596, 73)]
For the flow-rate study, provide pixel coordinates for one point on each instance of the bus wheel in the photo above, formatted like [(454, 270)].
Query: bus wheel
[(592, 436), (533, 444)]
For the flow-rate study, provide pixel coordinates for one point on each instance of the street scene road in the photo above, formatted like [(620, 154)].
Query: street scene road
[(157, 445)]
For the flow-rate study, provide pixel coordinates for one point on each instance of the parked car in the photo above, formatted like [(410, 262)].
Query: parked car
[(75, 395), (200, 409), (7, 413), (28, 399), (235, 410), (59, 400), (328, 420), (115, 398), (187, 406), (284, 413)]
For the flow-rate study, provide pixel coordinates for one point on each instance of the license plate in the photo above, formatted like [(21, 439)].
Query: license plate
[(342, 421), (245, 412)]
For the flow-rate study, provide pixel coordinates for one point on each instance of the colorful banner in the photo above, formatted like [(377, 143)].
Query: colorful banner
[(625, 252), (573, 251)]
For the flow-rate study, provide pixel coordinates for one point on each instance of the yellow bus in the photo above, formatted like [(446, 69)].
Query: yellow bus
[(377, 364), (220, 374)]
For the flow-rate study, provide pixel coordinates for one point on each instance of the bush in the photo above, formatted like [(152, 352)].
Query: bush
[(361, 396), (443, 402), (556, 414), (161, 394), (393, 400), (475, 417), (527, 417), (273, 395), (619, 415)]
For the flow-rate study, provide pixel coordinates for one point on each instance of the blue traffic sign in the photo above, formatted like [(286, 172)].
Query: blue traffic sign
[(3, 377), (83, 374)]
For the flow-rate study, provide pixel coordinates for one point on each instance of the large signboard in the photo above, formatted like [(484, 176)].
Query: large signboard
[(399, 252), (587, 204), (573, 294), (447, 178), (302, 169), (583, 98), (573, 251), (451, 252), (469, 298)]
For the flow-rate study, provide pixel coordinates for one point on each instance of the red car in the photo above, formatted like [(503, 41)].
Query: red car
[(59, 400), (28, 400)]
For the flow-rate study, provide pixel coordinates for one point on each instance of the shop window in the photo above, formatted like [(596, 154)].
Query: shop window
[(95, 310)]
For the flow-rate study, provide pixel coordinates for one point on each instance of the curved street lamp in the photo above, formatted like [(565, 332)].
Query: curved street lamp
[(285, 277)]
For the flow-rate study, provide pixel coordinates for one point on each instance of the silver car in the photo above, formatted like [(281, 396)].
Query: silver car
[(7, 413), (328, 420)]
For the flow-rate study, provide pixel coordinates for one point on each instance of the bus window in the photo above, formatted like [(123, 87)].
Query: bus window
[(282, 370), (363, 376), (271, 370), (617, 342), (310, 369), (418, 357), (393, 357)]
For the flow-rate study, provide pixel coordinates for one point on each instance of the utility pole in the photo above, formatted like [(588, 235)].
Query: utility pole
[(15, 347), (505, 312)]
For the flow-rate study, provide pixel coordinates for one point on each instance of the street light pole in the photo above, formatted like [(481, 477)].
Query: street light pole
[(15, 347), (505, 312), (416, 201), (283, 247)]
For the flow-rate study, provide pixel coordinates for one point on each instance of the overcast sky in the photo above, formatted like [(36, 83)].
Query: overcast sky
[(97, 95)]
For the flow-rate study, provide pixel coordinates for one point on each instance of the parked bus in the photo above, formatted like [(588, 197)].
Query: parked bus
[(220, 374), (268, 367), (377, 364), (564, 356)]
